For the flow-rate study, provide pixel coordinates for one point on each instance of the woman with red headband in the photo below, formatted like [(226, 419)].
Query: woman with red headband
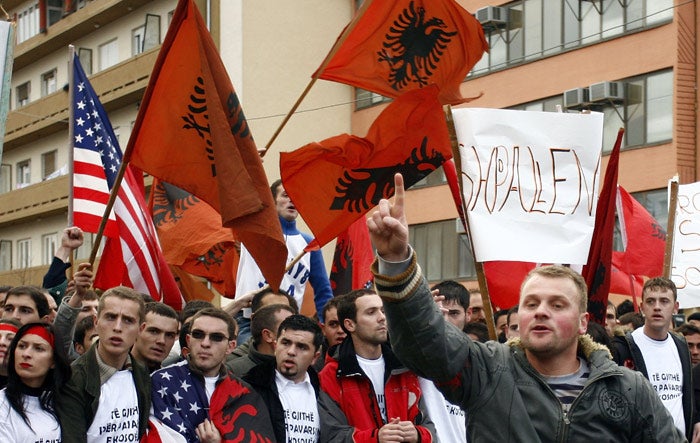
[(35, 372)]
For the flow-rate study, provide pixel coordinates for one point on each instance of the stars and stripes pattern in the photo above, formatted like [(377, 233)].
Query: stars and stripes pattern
[(132, 255), (179, 399)]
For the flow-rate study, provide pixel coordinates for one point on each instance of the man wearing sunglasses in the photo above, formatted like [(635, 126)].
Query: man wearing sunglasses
[(181, 393)]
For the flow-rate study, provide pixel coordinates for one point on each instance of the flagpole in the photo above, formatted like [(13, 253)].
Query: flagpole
[(671, 226), (71, 134), (108, 209), (338, 43), (480, 275)]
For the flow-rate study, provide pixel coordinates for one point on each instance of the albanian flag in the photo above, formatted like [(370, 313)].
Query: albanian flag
[(352, 259), (334, 182), (392, 47), (192, 236)]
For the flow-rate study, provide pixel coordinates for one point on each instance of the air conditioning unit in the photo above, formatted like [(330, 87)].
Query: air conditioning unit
[(492, 17), (576, 98), (607, 92)]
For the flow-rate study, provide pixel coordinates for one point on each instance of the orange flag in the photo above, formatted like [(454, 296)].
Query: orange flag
[(192, 237), (190, 287), (190, 131), (397, 46), (336, 181)]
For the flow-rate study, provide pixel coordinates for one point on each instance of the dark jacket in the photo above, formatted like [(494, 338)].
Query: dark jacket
[(628, 354), (262, 379), (495, 380), (240, 366), (348, 405), (77, 401)]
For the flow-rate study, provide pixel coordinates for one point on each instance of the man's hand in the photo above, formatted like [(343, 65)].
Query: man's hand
[(398, 431), (388, 228), (82, 280), (696, 433), (71, 239), (207, 432)]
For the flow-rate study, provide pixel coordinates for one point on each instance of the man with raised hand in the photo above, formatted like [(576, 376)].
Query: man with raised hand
[(554, 384)]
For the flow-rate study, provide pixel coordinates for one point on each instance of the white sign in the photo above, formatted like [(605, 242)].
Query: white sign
[(685, 269), (530, 182)]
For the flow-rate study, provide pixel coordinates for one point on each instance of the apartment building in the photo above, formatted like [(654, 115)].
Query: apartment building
[(270, 49)]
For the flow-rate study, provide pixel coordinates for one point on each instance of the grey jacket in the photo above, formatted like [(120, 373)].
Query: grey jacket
[(506, 399)]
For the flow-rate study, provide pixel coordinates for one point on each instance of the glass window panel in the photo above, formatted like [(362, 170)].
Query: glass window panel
[(85, 56), (611, 124), (5, 255), (515, 34), (434, 246), (419, 241), (550, 104), (635, 132), (152, 34), (634, 14), (533, 29), (466, 260), (5, 178), (137, 37), (552, 26), (24, 249), (590, 23), (449, 249), (48, 163), (572, 30), (498, 51), (49, 245), (108, 54), (613, 19), (659, 107), (659, 11)]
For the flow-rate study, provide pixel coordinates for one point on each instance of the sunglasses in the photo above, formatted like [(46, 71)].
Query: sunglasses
[(216, 337)]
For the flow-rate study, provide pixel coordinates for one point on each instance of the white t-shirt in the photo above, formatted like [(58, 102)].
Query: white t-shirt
[(13, 429), (210, 386), (450, 421), (375, 371), (117, 416), (665, 372), (301, 421)]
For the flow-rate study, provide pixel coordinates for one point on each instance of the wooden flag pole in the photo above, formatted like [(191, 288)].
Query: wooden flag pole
[(336, 46), (480, 275), (670, 227)]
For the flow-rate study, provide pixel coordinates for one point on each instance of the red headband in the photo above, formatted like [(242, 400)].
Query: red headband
[(8, 327), (41, 332)]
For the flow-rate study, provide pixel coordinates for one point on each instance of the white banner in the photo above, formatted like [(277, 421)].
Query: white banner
[(530, 182), (685, 269)]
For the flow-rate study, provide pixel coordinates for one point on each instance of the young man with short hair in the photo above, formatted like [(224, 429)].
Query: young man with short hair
[(84, 335), (157, 335), (26, 304), (288, 383), (662, 357), (182, 393), (456, 302), (367, 393), (108, 395)]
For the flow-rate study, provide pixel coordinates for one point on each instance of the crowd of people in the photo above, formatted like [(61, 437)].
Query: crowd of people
[(401, 362)]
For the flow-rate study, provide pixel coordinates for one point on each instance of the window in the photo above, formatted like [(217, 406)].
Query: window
[(24, 249), (537, 28), (108, 54), (24, 174), (86, 248), (54, 11), (85, 56), (137, 36), (442, 252), (28, 22), (48, 82), (49, 244), (48, 163), (5, 255), (152, 32), (23, 94), (365, 99), (5, 178)]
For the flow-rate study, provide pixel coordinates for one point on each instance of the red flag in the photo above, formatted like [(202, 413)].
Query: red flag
[(132, 255), (352, 259), (644, 238), (192, 288), (336, 181), (192, 237), (622, 282), (597, 271), (397, 46), (504, 279), (191, 132)]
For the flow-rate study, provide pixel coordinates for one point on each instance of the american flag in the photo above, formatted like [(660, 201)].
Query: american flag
[(132, 255)]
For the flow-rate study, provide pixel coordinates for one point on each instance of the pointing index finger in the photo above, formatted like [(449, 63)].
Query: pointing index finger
[(398, 192)]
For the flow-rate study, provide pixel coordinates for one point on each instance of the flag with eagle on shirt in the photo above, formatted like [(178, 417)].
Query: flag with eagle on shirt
[(334, 182), (392, 47), (132, 254)]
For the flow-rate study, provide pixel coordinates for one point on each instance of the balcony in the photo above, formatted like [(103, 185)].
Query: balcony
[(72, 27), (117, 87), (41, 199)]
